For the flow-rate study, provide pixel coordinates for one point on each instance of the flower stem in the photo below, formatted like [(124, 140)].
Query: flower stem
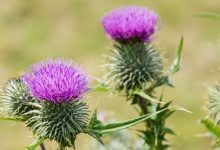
[(42, 146), (152, 126), (61, 147)]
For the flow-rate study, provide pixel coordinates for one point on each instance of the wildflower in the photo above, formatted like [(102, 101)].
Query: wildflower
[(133, 62), (59, 85)]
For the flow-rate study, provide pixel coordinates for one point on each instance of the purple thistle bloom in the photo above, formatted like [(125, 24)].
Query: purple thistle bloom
[(56, 81), (130, 22)]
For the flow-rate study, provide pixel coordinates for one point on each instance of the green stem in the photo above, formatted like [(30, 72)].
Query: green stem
[(42, 146), (61, 147), (142, 103), (11, 119), (38, 142), (151, 125)]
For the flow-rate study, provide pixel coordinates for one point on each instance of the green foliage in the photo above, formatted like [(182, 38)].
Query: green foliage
[(176, 64), (154, 135), (146, 96), (209, 15), (214, 130), (97, 128), (156, 130), (11, 118), (101, 87), (132, 65), (35, 144), (111, 127)]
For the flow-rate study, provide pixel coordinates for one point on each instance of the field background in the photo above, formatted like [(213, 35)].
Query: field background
[(33, 30)]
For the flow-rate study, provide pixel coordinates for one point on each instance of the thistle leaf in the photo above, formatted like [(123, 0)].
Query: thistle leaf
[(10, 118), (93, 122), (216, 145), (97, 136), (169, 131), (209, 15), (35, 144), (182, 109), (94, 119), (211, 127), (176, 64), (111, 127), (146, 96), (102, 86)]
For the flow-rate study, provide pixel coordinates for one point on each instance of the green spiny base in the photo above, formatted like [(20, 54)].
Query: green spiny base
[(214, 103), (131, 65), (60, 122), (15, 99)]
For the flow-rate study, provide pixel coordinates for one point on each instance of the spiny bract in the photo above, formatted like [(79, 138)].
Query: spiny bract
[(131, 65), (214, 103), (16, 101), (61, 123)]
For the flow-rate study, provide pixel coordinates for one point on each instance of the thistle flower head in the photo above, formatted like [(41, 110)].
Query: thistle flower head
[(56, 81), (130, 22)]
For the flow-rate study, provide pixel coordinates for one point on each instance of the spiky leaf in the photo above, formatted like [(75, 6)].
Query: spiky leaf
[(102, 128), (213, 128), (35, 144), (209, 15), (176, 64), (11, 119)]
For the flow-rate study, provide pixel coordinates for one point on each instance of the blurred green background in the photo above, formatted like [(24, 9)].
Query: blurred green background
[(33, 30)]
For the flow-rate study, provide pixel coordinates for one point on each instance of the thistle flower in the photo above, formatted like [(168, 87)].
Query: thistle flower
[(15, 100), (132, 22), (56, 81), (134, 62), (59, 85)]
